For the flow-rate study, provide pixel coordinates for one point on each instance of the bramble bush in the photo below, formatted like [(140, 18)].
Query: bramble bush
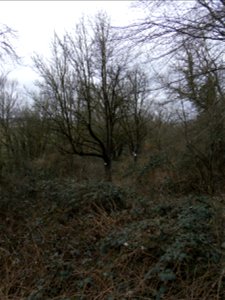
[(98, 240)]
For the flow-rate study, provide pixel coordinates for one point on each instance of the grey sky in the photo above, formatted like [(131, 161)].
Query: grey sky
[(36, 21)]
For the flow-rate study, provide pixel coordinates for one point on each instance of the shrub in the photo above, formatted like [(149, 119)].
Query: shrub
[(86, 197)]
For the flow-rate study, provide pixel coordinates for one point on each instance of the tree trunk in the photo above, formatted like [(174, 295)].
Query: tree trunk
[(108, 171), (135, 156)]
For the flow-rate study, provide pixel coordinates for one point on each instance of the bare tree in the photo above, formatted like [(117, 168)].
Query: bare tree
[(83, 88), (135, 111), (32, 134), (8, 108), (6, 46), (167, 24), (200, 81)]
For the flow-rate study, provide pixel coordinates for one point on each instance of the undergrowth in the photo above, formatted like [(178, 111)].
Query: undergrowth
[(66, 241)]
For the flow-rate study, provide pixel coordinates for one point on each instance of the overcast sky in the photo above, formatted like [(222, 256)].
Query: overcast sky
[(36, 21)]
